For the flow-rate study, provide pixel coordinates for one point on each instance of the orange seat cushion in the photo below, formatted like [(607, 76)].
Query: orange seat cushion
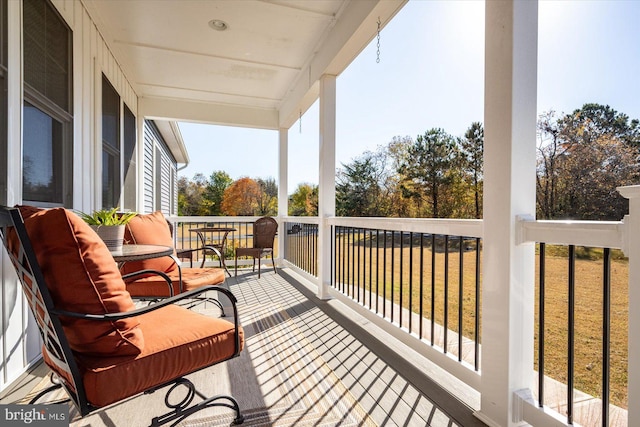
[(192, 278), (177, 342), (149, 229), (82, 277)]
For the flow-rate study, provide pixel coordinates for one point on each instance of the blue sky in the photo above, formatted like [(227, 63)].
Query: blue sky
[(431, 74)]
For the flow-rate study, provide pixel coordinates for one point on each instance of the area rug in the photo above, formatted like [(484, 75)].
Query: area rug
[(279, 380)]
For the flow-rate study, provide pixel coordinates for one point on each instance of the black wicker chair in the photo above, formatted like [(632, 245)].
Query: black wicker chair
[(264, 233)]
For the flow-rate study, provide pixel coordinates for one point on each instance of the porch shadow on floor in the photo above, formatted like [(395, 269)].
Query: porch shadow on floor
[(307, 362)]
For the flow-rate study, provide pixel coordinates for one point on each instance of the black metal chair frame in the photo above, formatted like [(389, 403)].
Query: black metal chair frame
[(55, 341)]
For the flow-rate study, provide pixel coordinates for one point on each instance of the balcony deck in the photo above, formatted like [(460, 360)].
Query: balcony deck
[(372, 377), (389, 381)]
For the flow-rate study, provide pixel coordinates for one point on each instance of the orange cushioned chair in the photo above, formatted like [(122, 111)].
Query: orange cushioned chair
[(153, 229), (100, 346)]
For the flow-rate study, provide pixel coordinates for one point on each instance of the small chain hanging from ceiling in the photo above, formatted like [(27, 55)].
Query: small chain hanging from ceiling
[(300, 121), (378, 51)]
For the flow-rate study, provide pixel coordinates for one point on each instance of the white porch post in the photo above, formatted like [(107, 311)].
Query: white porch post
[(14, 102), (283, 190), (510, 167), (632, 250), (327, 180)]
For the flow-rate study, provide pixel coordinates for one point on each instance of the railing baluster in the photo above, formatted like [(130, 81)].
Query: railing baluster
[(541, 304), (377, 267), (314, 248), (606, 334), (357, 266), (410, 280), (571, 331), (307, 248), (393, 270), (476, 356), (370, 233), (333, 256), (401, 292), (433, 288), (384, 277), (421, 301), (344, 263), (353, 260), (446, 292), (460, 297)]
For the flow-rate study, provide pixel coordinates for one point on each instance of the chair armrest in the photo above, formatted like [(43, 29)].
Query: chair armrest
[(159, 273), (213, 249), (151, 307)]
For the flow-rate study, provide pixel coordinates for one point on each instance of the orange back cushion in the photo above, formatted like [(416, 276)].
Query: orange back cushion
[(149, 229), (83, 277)]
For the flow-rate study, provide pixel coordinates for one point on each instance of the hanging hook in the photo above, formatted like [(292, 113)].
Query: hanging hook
[(378, 51)]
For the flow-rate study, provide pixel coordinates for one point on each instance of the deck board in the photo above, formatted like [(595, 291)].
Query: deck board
[(365, 364)]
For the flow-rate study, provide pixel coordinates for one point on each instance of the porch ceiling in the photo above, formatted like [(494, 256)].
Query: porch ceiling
[(260, 72)]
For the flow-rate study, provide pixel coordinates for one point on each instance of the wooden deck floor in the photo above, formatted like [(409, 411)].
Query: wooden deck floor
[(391, 382), (395, 390)]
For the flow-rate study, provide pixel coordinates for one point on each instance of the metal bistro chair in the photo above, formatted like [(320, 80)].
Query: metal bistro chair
[(264, 233)]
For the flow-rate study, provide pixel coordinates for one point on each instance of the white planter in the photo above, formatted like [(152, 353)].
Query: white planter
[(112, 235)]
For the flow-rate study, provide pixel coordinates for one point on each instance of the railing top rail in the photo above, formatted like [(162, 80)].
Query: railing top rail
[(597, 234), (199, 219), (452, 227), (302, 219)]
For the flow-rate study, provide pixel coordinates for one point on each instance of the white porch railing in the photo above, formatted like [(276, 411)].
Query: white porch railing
[(300, 253)]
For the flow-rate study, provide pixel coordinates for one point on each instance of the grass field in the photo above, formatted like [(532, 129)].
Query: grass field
[(588, 307)]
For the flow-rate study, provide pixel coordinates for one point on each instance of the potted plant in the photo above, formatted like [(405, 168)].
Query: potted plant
[(109, 224)]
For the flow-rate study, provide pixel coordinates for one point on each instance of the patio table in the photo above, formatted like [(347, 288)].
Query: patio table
[(140, 252), (216, 245)]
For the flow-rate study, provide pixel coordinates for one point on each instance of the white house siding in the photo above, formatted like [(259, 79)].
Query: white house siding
[(147, 186), (19, 341), (158, 159)]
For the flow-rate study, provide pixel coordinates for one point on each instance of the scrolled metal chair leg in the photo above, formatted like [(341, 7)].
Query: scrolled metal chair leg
[(56, 384), (184, 409)]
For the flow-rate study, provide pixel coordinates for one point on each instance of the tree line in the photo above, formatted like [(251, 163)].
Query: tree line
[(581, 158)]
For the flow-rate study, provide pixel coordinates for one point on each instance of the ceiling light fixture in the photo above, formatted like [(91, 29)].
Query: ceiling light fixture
[(218, 25)]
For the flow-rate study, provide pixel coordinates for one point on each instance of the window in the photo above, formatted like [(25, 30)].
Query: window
[(118, 151), (47, 115), (110, 145), (130, 169)]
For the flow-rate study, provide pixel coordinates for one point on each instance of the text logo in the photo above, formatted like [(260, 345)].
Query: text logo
[(34, 415)]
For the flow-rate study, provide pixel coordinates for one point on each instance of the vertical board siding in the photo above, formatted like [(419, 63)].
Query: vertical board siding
[(166, 163), (91, 56), (147, 184)]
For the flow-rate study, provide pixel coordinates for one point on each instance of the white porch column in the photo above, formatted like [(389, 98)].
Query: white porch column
[(327, 180), (283, 190), (509, 190), (632, 250), (14, 103)]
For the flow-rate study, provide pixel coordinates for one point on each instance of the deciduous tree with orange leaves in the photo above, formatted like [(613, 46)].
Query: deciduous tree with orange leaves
[(241, 198)]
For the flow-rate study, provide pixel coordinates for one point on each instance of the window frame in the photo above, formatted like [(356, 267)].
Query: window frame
[(57, 113), (113, 152)]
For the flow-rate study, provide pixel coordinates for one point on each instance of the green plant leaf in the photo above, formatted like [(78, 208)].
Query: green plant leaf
[(107, 217)]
